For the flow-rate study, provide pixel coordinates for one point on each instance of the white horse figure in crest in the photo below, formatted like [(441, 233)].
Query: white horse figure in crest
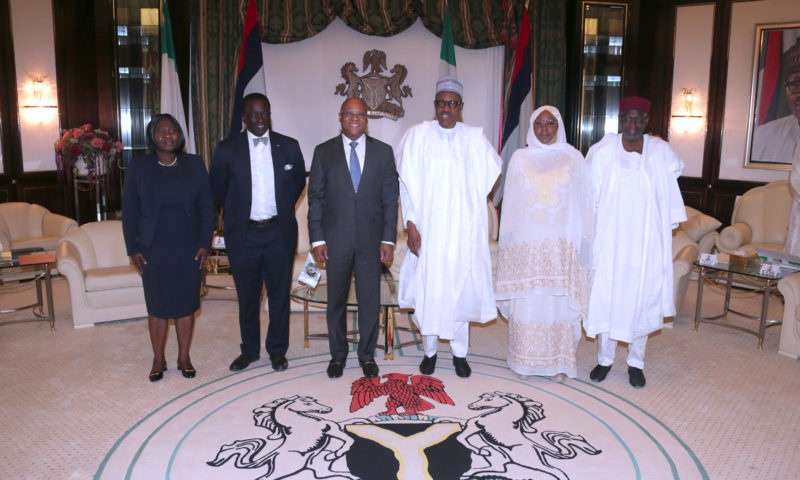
[(297, 437), (501, 438)]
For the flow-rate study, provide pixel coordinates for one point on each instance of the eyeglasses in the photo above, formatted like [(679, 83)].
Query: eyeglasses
[(442, 103), (353, 114), (793, 86), (549, 123)]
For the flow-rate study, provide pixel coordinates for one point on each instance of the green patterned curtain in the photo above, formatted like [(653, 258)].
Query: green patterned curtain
[(217, 27), (549, 53)]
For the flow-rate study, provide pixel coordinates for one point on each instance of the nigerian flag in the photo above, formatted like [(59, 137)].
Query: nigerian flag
[(171, 100), (447, 67)]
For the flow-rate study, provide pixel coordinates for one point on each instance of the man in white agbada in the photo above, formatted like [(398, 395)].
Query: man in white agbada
[(446, 171), (544, 258), (793, 234), (638, 203), (779, 140)]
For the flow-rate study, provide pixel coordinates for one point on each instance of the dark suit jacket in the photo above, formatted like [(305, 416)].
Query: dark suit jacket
[(339, 215), (142, 194), (231, 183)]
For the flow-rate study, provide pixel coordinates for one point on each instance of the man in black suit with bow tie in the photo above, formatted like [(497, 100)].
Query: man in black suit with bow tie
[(352, 225), (257, 176)]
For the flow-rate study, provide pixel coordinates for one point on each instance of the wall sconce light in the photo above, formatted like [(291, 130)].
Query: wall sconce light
[(687, 119), (38, 107)]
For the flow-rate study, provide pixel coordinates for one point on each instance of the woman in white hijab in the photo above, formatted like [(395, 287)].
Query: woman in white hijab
[(544, 263)]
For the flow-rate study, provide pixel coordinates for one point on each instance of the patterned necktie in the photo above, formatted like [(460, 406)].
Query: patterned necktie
[(355, 169), (258, 140)]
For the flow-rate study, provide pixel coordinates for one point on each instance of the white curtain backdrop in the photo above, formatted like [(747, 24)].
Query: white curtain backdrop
[(302, 77)]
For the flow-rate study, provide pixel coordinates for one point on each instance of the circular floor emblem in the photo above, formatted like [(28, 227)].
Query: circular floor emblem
[(260, 424)]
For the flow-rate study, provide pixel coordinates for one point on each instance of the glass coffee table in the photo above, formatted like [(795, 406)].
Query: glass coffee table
[(388, 303), (24, 266), (765, 283)]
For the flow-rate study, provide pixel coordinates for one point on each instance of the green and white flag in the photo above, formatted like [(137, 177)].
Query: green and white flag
[(447, 67), (171, 100)]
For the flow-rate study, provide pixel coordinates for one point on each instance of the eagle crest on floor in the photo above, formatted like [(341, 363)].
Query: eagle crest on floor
[(402, 394)]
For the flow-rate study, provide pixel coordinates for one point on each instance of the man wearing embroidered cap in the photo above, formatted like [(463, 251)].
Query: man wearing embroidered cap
[(637, 204), (779, 140), (446, 171)]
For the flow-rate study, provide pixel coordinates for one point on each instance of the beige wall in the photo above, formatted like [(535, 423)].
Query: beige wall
[(694, 27), (34, 55), (745, 16)]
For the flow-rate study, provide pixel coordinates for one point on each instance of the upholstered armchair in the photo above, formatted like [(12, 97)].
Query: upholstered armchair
[(701, 228), (759, 220), (27, 225), (790, 330), (103, 284), (684, 253)]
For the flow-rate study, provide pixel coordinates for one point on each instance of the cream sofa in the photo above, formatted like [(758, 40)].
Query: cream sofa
[(701, 228), (790, 330), (759, 220), (103, 284), (27, 225), (684, 253)]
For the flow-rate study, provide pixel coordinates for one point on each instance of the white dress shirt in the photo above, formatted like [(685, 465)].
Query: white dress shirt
[(262, 204), (360, 150)]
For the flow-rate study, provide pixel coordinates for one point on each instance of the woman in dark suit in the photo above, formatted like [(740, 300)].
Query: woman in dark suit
[(168, 222)]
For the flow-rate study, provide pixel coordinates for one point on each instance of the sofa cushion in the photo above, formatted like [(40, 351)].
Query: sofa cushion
[(110, 278), (699, 224)]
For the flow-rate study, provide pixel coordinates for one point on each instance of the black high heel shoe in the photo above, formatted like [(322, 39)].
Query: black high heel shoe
[(156, 376), (188, 372)]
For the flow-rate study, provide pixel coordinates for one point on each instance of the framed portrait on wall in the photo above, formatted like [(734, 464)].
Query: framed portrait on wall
[(773, 133)]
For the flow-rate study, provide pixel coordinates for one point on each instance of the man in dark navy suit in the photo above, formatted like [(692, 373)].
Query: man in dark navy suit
[(257, 176), (352, 224)]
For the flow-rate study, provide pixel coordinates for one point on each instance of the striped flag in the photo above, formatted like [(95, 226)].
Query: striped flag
[(771, 103), (447, 67), (250, 78), (769, 70), (171, 99), (518, 107)]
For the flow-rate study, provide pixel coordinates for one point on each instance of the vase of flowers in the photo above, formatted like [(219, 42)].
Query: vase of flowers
[(86, 151)]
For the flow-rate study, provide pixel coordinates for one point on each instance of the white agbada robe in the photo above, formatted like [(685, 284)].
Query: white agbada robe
[(445, 178), (793, 234), (544, 257), (638, 204)]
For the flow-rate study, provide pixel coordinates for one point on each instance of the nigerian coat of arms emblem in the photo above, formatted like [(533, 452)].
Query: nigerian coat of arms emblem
[(382, 94)]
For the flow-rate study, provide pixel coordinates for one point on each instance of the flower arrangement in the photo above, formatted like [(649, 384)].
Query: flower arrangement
[(86, 149), (87, 140)]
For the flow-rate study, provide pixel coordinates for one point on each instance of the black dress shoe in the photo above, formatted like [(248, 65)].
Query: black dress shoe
[(370, 369), (156, 376), (242, 362), (636, 377), (336, 368), (428, 365), (279, 362), (462, 367), (598, 373), (188, 372)]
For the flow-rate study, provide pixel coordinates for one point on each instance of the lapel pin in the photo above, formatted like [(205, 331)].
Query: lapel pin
[(288, 167)]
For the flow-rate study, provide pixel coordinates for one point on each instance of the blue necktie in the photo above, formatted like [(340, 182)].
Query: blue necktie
[(355, 168)]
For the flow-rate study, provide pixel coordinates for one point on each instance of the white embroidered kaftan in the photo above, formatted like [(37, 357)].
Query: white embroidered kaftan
[(637, 204), (445, 177), (793, 234), (544, 259)]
